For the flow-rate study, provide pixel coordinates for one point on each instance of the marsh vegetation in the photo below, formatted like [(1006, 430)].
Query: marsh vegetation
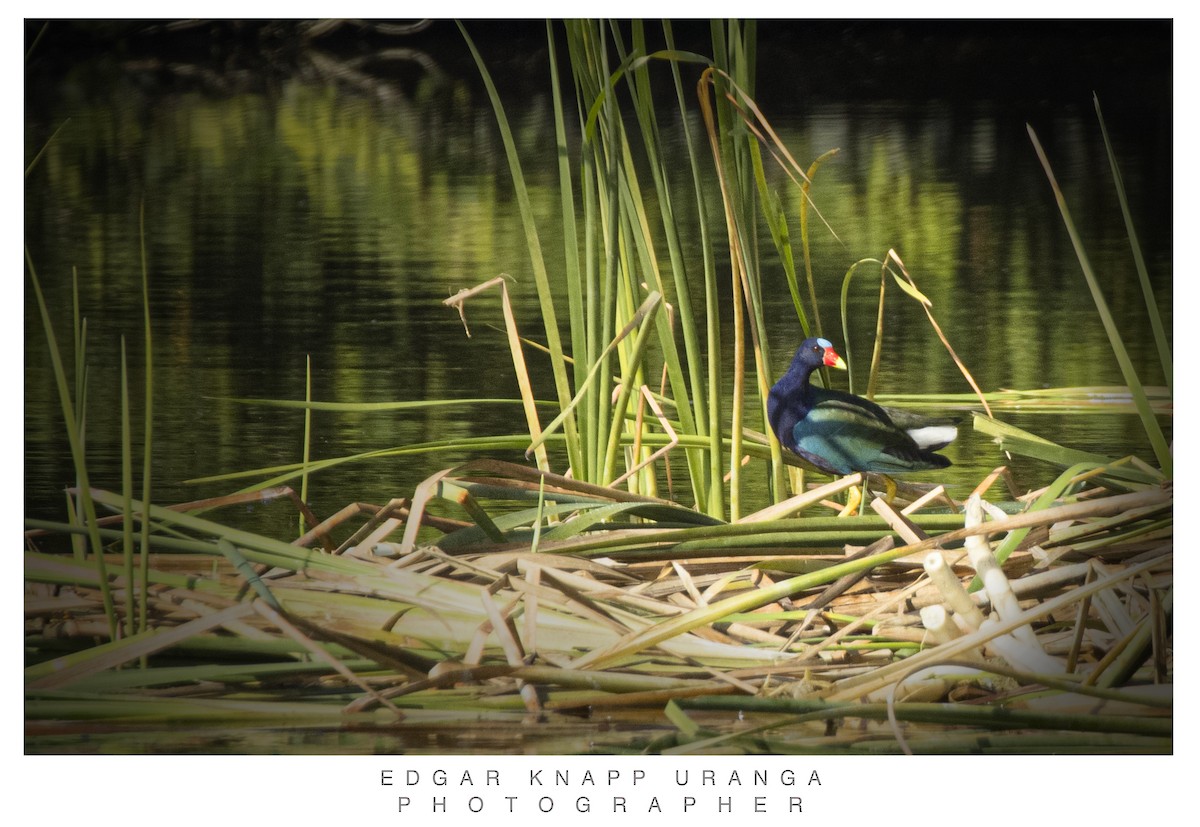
[(632, 563)]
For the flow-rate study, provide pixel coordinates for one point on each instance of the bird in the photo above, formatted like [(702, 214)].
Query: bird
[(841, 433)]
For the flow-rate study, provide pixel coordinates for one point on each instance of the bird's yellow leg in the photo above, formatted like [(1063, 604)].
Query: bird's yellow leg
[(853, 500), (890, 487)]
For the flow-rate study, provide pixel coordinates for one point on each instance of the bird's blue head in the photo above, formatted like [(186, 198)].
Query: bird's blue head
[(817, 352)]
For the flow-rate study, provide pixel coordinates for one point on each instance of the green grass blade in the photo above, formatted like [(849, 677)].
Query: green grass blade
[(708, 400), (628, 382), (845, 307), (609, 160), (805, 201), (1156, 323), (1162, 450), (776, 220), (877, 347), (79, 331), (366, 407), (75, 440), (307, 443), (127, 497), (688, 385), (541, 277), (574, 279), (147, 424), (1025, 443)]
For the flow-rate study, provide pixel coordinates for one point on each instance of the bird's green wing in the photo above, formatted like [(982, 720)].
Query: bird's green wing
[(849, 438)]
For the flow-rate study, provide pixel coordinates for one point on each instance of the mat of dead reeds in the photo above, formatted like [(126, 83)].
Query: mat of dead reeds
[(565, 618)]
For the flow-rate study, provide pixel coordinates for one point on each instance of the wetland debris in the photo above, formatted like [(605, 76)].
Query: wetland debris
[(632, 616)]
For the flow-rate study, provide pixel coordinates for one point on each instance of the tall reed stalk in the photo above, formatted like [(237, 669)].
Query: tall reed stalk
[(1158, 441), (72, 419), (623, 240), (147, 427)]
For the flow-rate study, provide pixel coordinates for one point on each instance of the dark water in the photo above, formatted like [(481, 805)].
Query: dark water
[(320, 203)]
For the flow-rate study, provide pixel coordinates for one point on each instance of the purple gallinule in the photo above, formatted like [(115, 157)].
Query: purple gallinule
[(841, 433)]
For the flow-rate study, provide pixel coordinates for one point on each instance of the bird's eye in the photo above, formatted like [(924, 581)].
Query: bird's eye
[(816, 349)]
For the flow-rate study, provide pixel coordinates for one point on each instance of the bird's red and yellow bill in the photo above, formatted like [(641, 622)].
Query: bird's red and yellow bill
[(832, 359)]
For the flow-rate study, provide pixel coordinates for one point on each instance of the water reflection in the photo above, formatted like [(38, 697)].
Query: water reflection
[(308, 222)]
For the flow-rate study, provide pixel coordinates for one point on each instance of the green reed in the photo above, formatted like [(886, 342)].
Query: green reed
[(623, 234), (1158, 441)]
